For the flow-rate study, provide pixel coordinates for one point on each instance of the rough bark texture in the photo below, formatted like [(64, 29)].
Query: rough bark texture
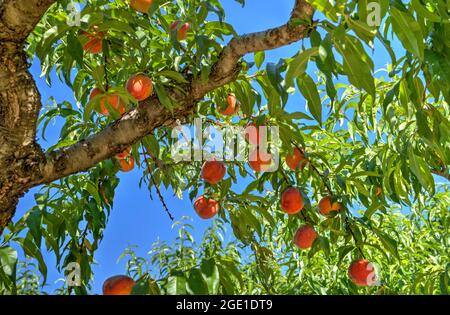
[(23, 164), (20, 103)]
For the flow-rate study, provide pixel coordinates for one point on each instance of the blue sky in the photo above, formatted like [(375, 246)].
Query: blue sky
[(136, 219)]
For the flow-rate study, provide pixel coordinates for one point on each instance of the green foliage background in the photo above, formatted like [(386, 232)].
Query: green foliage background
[(391, 133)]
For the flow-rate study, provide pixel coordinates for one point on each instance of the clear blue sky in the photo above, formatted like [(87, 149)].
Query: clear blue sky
[(136, 219)]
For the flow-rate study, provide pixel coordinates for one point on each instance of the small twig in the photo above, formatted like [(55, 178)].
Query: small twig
[(314, 168), (261, 276), (442, 172), (105, 69), (83, 237), (255, 75), (325, 182), (424, 97), (304, 217), (214, 122), (354, 237), (161, 198), (285, 177)]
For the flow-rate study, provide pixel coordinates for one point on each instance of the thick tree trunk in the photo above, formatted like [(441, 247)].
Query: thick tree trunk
[(20, 156), (20, 102), (19, 107)]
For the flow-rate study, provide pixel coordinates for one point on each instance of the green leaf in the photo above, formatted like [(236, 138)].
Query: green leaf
[(172, 75), (357, 64), (176, 285), (274, 74), (8, 260), (211, 275), (372, 209), (309, 90), (388, 242), (325, 7), (220, 28), (297, 115), (152, 145), (146, 286), (344, 251), (298, 66), (421, 170), (74, 48), (422, 125), (93, 191), (196, 284), (444, 280), (34, 223), (259, 58), (33, 251), (408, 31), (163, 96), (364, 31), (424, 12)]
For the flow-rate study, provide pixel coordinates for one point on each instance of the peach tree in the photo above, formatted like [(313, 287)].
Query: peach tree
[(372, 144)]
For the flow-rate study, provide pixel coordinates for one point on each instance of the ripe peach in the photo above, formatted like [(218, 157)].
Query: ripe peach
[(92, 41), (231, 108), (140, 86), (124, 154), (292, 201), (179, 29), (326, 205), (296, 160), (213, 171), (362, 272), (118, 285), (141, 5), (206, 208), (305, 236), (113, 100), (259, 162), (127, 165)]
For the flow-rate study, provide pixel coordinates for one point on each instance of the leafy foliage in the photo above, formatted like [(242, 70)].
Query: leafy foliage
[(377, 144)]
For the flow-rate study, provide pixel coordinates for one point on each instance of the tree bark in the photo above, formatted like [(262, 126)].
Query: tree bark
[(23, 164), (20, 103)]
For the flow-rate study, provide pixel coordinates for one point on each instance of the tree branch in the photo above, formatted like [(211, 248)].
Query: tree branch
[(443, 173), (18, 18), (21, 159), (150, 114), (227, 67)]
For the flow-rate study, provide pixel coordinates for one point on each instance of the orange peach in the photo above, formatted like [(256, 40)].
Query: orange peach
[(213, 171), (362, 273), (326, 205), (292, 201), (118, 285), (140, 86), (206, 208), (305, 236)]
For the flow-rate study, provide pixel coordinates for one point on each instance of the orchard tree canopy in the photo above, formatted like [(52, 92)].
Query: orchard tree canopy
[(363, 168)]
